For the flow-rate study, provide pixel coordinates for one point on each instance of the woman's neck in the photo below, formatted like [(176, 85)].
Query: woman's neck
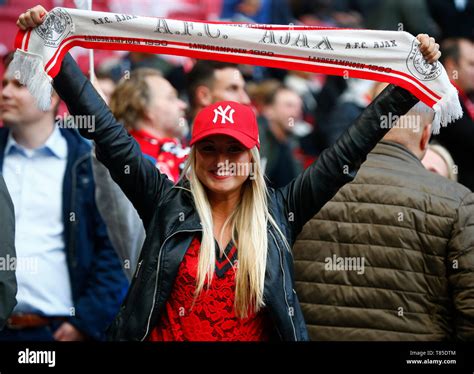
[(222, 205)]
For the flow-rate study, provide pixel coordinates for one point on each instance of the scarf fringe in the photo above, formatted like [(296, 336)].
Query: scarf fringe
[(447, 110), (28, 69)]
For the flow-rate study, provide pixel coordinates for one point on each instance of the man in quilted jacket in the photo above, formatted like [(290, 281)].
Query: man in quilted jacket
[(391, 256)]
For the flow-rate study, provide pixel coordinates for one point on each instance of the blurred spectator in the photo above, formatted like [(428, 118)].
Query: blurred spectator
[(455, 18), (8, 286), (348, 107), (259, 92), (257, 11), (458, 137), (175, 9), (327, 99), (174, 73), (390, 257), (340, 13), (338, 103), (106, 83), (75, 283), (278, 143), (438, 160), (412, 16), (153, 114), (304, 84), (307, 86), (212, 81)]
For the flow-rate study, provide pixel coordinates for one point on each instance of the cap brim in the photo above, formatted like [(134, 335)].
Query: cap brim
[(244, 139)]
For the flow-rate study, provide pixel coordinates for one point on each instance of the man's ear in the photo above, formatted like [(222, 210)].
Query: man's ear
[(148, 116), (425, 138), (203, 96)]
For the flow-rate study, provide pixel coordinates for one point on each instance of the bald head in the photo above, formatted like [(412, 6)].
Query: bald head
[(413, 130)]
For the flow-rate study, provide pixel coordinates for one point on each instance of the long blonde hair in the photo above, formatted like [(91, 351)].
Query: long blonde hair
[(249, 234)]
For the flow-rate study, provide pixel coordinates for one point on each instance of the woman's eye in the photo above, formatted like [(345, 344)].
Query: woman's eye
[(17, 84), (207, 149), (235, 149)]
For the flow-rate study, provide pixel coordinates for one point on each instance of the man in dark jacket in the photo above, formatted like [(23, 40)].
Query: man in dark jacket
[(390, 257), (279, 144), (458, 138), (71, 282), (212, 81), (7, 254)]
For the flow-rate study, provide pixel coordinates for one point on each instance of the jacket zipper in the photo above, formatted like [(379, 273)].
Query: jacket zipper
[(284, 285), (156, 281), (138, 269)]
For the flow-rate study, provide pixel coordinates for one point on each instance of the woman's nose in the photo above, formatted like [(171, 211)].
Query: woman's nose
[(221, 158), (6, 90)]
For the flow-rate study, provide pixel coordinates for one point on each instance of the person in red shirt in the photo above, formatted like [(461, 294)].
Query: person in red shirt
[(151, 111)]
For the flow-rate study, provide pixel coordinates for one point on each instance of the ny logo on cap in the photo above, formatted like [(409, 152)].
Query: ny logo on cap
[(223, 114)]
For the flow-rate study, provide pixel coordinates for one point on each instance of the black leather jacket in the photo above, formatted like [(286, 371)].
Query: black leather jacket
[(171, 220)]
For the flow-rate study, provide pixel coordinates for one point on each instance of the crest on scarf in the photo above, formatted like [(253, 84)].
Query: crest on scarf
[(419, 67), (56, 27)]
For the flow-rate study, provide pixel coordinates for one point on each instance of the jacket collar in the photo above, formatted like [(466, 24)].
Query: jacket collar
[(186, 209), (395, 150)]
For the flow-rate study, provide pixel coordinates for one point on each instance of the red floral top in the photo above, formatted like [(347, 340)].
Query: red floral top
[(212, 317)]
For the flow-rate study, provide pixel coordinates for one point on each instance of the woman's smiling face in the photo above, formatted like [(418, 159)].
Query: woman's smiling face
[(223, 164)]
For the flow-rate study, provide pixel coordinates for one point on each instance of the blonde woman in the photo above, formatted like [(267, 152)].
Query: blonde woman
[(438, 160), (216, 263)]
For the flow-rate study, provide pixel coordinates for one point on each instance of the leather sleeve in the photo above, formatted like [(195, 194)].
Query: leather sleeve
[(115, 148), (306, 195)]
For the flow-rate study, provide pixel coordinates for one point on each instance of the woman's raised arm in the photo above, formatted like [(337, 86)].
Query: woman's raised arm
[(115, 148), (338, 165)]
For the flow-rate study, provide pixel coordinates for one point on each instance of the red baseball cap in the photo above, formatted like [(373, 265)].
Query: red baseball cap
[(227, 118)]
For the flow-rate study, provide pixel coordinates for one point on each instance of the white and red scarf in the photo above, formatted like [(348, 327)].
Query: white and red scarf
[(387, 56)]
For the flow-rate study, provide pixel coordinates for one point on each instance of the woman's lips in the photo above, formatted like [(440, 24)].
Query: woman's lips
[(220, 174), (6, 107)]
